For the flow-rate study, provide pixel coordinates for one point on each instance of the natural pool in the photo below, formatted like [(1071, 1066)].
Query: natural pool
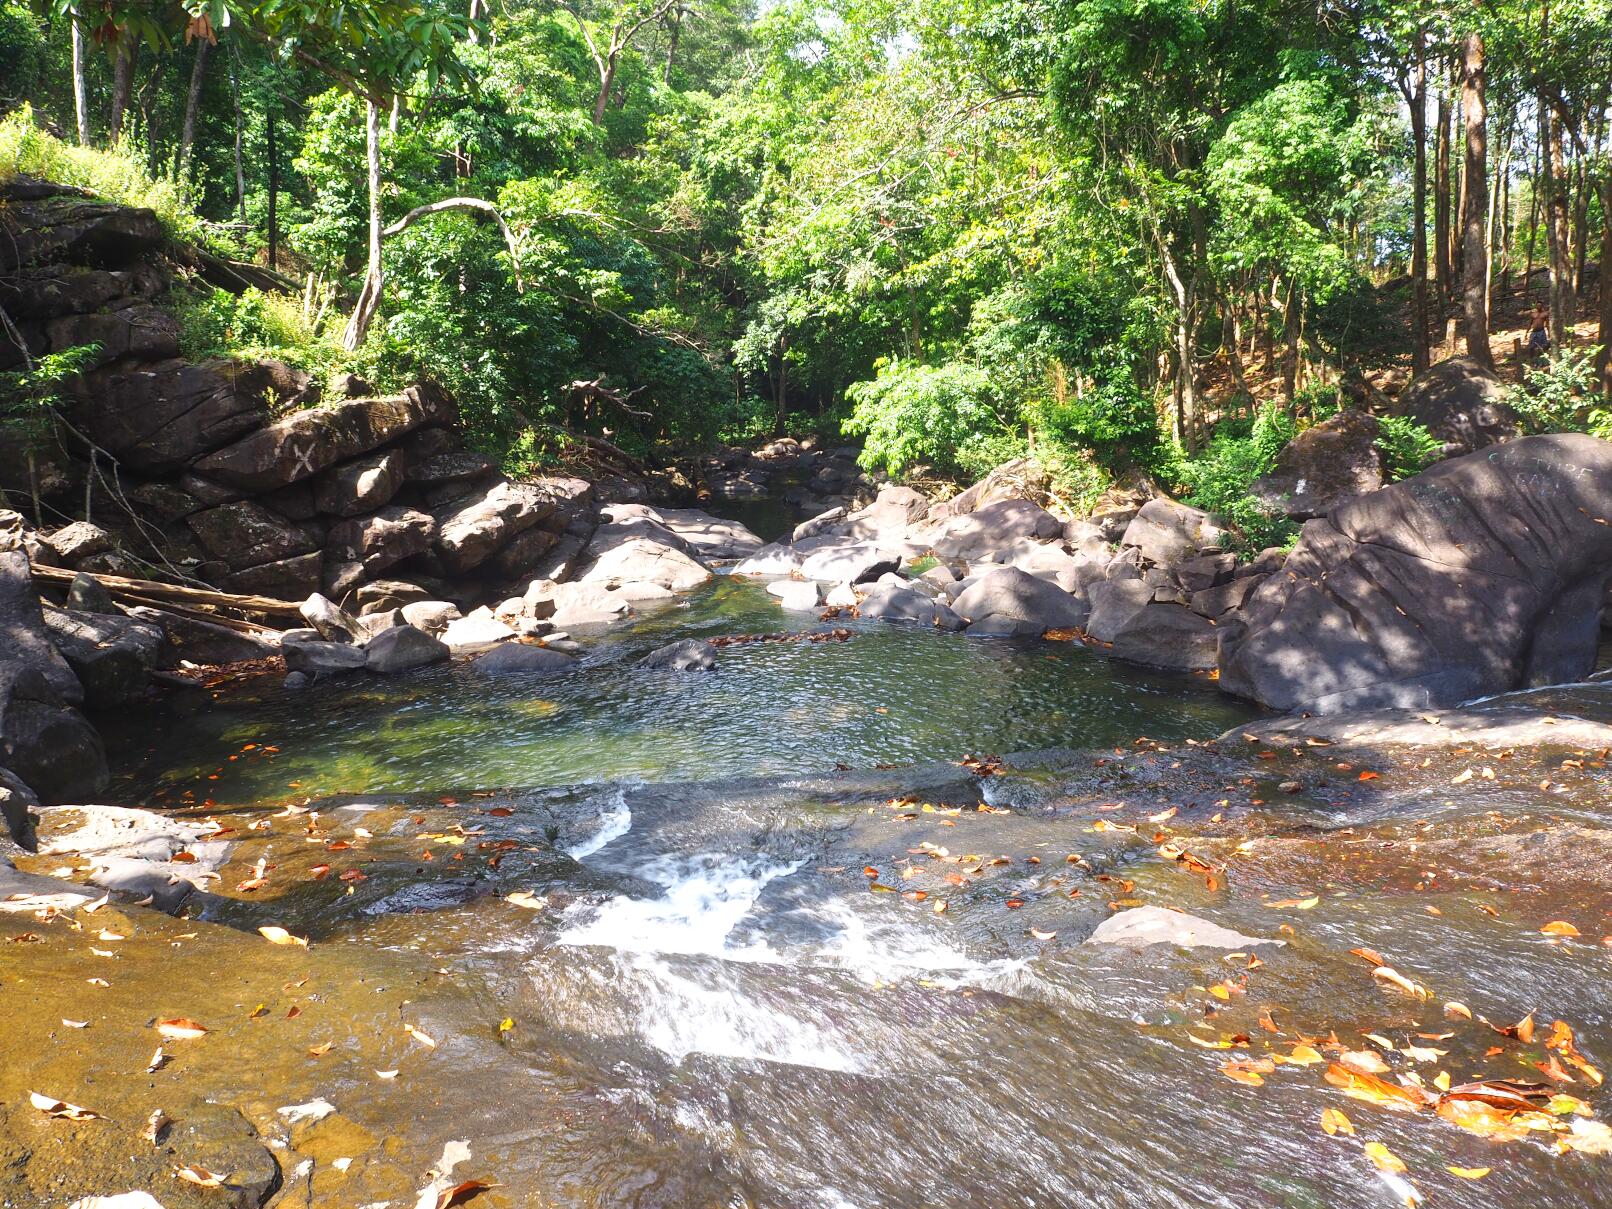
[(689, 963)]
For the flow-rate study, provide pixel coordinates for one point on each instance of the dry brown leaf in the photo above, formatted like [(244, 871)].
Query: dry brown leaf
[(61, 1109), (1334, 1122), (180, 1028), (278, 935)]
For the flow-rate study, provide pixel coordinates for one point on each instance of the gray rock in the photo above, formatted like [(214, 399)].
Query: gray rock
[(849, 562), (519, 658), (996, 626), (700, 534), (78, 541), (203, 642), (17, 805), (1461, 403), (887, 518), (1324, 465), (384, 594), (333, 623), (295, 682), (23, 636), (450, 466), (771, 561), (111, 655), (1140, 926), (323, 658), (642, 560), (302, 444), (246, 534), (797, 595), (432, 616), (1215, 603), (376, 543), (841, 596), (359, 486), (375, 623), (824, 523), (473, 529), (1019, 596), (893, 602), (86, 595), (402, 649), (45, 742), (975, 535), (288, 579), (476, 632), (689, 655), (1205, 571), (1167, 636), (1481, 575), (1165, 532), (1113, 603)]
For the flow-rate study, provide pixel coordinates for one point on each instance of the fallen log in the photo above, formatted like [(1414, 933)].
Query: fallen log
[(158, 594)]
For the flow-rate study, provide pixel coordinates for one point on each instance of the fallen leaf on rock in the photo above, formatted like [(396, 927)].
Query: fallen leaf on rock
[(386, 1074), (156, 1126), (1588, 1137), (460, 1193), (75, 1023), (1392, 976), (423, 1038), (199, 1176), (1370, 955), (1298, 904), (319, 1051), (180, 1029), (123, 1200), (1469, 1173), (158, 1061), (279, 936), (1334, 1122), (1040, 935), (53, 1107), (1360, 1086), (1559, 927), (1456, 1010), (1385, 1159), (523, 898), (313, 1110), (1364, 1061)]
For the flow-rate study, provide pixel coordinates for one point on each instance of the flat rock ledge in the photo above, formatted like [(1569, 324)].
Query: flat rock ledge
[(1500, 727)]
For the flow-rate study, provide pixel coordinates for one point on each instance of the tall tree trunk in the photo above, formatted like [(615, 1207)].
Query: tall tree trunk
[(607, 81), (1603, 359), (1458, 213), (1185, 391), (1550, 138), (271, 128), (1421, 352), (369, 298), (1475, 177), (1290, 358), (1441, 203), (81, 90), (187, 129), (671, 46), (240, 169), (122, 84)]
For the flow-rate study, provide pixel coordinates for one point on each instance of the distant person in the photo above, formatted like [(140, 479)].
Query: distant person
[(1539, 330)]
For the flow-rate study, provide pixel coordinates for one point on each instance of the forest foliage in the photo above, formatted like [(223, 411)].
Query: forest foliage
[(1155, 235)]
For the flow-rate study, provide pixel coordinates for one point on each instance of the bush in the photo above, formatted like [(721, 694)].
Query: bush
[(1407, 447), (1218, 478), (26, 150), (1558, 396), (216, 323), (950, 416)]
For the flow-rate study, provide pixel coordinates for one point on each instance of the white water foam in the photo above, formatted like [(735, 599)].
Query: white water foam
[(706, 896), (614, 823), (884, 952)]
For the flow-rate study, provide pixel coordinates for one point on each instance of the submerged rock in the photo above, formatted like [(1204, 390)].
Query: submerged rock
[(896, 602), (1141, 926), (689, 655), (519, 658)]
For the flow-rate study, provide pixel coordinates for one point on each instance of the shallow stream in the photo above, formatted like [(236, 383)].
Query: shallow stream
[(761, 937)]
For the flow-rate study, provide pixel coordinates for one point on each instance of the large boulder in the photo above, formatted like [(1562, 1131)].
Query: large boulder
[(771, 560), (206, 643), (402, 649), (470, 530), (689, 655), (1461, 403), (362, 485), (1484, 574), (44, 741), (246, 534), (896, 602), (302, 444), (157, 418), (1165, 532), (641, 560), (701, 534), (23, 635), (888, 516), (523, 659), (982, 532), (849, 562), (1019, 479), (80, 540), (1014, 595), (112, 656), (1324, 465), (315, 657), (1167, 636), (1114, 603), (383, 540)]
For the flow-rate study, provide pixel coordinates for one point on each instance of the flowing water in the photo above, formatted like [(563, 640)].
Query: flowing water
[(711, 953)]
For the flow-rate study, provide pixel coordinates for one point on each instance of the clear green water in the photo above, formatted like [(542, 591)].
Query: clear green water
[(889, 694)]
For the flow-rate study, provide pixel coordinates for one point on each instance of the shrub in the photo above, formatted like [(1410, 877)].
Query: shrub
[(1218, 478), (26, 150), (1557, 396), (216, 323), (950, 416), (1406, 447)]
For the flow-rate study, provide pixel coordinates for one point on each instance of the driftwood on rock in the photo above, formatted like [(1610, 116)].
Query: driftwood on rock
[(161, 595)]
